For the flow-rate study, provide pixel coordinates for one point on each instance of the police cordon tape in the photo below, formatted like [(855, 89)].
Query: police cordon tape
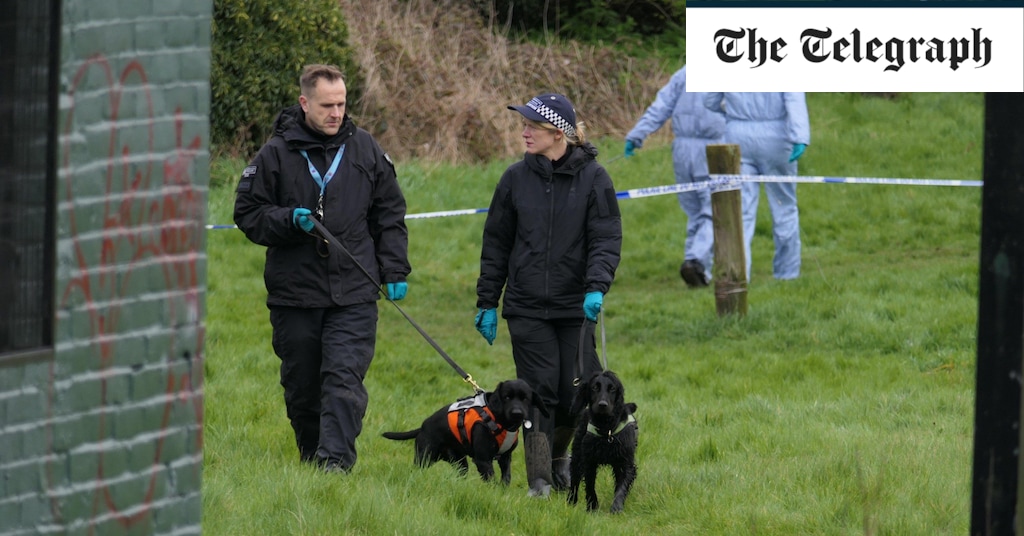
[(717, 183)]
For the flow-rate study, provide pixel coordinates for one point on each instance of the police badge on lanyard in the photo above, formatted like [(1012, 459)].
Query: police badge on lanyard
[(322, 181)]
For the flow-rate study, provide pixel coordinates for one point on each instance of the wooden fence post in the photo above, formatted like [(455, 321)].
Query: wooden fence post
[(729, 272)]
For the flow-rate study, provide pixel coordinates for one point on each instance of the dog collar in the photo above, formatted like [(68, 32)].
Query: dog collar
[(591, 429)]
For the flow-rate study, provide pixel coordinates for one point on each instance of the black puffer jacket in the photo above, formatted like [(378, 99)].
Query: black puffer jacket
[(363, 208), (551, 236)]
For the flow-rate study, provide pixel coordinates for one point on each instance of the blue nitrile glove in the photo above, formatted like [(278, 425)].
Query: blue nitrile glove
[(300, 219), (798, 151), (396, 291), (487, 324), (630, 148), (592, 305)]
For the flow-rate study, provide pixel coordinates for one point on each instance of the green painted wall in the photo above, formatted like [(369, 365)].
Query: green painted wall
[(107, 437)]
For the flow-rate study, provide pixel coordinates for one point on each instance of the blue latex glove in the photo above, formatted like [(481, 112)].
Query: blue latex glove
[(487, 324), (592, 305), (396, 291), (630, 148), (300, 219), (798, 151)]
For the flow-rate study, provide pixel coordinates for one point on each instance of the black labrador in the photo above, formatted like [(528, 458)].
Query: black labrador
[(484, 427), (606, 434)]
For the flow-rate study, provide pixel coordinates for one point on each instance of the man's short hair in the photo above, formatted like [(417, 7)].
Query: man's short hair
[(311, 74)]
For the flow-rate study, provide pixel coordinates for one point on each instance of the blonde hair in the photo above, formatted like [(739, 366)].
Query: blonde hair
[(578, 139)]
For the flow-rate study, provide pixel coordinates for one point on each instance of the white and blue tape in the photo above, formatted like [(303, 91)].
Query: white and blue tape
[(717, 183)]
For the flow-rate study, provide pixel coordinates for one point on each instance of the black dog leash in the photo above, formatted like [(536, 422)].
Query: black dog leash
[(583, 339), (330, 239)]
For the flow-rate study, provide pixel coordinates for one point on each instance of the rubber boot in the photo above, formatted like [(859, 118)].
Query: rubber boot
[(538, 457), (560, 458)]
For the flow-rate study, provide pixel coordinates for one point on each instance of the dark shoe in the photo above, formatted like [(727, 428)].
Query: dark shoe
[(334, 466), (692, 272)]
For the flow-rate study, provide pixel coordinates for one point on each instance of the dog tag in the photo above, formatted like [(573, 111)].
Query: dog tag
[(527, 424)]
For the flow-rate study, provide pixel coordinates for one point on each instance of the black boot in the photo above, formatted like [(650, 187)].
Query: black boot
[(560, 458)]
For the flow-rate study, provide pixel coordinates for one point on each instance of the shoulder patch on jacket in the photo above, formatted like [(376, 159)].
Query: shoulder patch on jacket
[(245, 184), (388, 158)]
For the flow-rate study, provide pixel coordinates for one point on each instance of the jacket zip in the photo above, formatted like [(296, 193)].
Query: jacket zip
[(547, 255)]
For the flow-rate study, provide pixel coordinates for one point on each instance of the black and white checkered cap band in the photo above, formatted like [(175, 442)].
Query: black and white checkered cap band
[(552, 116)]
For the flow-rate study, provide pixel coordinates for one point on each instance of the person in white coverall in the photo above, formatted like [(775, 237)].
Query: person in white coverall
[(694, 126), (772, 130)]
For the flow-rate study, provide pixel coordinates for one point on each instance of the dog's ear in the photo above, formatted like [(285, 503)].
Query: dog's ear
[(582, 399), (493, 398), (631, 407)]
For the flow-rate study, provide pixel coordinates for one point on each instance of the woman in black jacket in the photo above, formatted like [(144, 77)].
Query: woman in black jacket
[(552, 241)]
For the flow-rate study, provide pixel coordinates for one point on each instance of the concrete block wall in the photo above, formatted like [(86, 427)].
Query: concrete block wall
[(107, 437)]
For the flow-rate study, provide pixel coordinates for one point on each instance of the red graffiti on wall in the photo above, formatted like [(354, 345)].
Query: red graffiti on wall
[(140, 224)]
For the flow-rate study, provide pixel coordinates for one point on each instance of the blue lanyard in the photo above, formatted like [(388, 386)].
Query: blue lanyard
[(322, 181)]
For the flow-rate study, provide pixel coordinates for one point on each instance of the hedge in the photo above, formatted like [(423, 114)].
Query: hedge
[(259, 49)]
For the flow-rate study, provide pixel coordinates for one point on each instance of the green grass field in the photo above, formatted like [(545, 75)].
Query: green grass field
[(841, 404)]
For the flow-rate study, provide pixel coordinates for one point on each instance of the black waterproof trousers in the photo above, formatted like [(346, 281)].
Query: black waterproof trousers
[(545, 353), (325, 355)]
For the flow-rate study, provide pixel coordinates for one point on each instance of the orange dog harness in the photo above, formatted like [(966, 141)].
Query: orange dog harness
[(466, 413)]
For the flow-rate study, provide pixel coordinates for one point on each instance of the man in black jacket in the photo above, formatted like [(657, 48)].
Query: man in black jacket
[(323, 308)]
